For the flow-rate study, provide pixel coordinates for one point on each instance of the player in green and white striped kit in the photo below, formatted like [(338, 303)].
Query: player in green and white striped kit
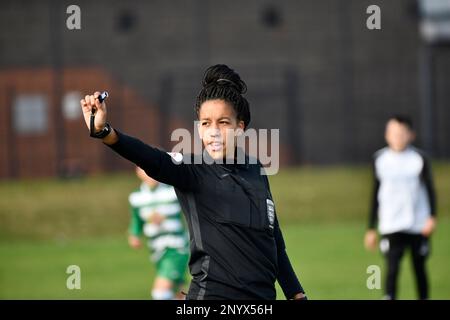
[(156, 214)]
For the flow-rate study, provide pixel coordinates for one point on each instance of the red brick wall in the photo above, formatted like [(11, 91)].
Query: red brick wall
[(31, 155)]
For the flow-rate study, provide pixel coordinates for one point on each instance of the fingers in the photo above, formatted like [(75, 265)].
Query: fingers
[(85, 106), (98, 104), (91, 101), (85, 103)]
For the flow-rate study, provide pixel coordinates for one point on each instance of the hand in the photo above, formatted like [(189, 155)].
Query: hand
[(134, 242), (429, 227), (300, 296), (87, 104), (370, 240)]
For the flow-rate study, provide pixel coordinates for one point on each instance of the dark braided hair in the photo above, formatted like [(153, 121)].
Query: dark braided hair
[(222, 82)]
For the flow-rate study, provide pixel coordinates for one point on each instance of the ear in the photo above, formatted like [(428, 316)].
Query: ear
[(240, 128), (413, 136)]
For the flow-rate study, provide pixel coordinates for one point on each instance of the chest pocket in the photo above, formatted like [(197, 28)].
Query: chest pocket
[(244, 203), (233, 205)]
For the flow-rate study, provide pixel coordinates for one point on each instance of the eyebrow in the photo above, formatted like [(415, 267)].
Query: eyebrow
[(221, 118)]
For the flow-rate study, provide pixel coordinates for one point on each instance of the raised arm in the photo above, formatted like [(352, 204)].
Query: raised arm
[(156, 163)]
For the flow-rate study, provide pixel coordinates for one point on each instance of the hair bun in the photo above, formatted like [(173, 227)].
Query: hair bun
[(222, 75)]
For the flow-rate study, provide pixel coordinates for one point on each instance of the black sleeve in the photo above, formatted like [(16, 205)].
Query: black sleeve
[(373, 215), (286, 275), (156, 163), (427, 179)]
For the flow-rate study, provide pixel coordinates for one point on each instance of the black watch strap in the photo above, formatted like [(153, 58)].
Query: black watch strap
[(101, 134)]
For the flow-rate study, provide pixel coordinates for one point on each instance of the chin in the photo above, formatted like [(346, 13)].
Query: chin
[(216, 154)]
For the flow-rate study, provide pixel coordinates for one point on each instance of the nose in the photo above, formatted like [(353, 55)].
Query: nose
[(214, 132)]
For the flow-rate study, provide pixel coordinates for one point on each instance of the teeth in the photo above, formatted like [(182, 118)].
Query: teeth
[(216, 146)]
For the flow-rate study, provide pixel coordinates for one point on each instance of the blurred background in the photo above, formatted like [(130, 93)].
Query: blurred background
[(314, 70)]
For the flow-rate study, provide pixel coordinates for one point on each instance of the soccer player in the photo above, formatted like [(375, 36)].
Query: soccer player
[(156, 213), (403, 204), (237, 248)]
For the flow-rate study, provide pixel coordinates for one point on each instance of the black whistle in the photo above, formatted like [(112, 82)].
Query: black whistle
[(102, 96)]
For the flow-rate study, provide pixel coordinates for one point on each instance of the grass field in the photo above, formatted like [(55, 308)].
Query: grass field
[(47, 225)]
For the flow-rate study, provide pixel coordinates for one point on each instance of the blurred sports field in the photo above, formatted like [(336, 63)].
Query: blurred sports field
[(47, 225)]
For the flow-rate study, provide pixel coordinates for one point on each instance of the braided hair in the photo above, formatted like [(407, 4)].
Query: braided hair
[(223, 83)]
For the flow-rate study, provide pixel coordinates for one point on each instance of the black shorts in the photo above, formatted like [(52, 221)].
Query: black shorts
[(400, 241)]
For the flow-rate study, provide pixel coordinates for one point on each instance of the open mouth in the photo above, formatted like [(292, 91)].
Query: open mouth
[(215, 146)]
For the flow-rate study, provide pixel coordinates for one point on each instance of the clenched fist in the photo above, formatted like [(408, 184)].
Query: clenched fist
[(91, 102)]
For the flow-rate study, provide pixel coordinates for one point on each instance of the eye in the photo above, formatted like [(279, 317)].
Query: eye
[(224, 122), (204, 123)]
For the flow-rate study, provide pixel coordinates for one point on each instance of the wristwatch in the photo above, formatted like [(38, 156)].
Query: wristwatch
[(102, 133)]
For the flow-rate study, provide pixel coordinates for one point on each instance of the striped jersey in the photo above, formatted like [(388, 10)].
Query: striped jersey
[(171, 232)]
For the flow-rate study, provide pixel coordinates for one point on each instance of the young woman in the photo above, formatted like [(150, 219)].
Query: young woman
[(237, 248)]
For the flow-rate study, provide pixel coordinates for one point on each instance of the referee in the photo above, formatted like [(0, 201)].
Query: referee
[(237, 248)]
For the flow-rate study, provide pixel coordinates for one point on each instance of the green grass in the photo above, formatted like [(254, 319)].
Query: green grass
[(331, 262), (47, 225), (109, 270), (329, 259)]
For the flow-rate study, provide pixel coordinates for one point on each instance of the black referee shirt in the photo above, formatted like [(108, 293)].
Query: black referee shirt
[(237, 248)]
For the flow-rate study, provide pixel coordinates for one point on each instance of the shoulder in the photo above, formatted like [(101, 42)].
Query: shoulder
[(421, 153), (133, 195), (377, 154), (424, 158)]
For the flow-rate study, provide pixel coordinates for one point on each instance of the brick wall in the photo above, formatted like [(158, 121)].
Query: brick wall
[(348, 79), (42, 154)]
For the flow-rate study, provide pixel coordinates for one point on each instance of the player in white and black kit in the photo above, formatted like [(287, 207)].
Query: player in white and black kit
[(403, 204)]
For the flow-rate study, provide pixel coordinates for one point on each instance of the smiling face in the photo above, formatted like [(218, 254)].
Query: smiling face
[(398, 135), (217, 124)]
